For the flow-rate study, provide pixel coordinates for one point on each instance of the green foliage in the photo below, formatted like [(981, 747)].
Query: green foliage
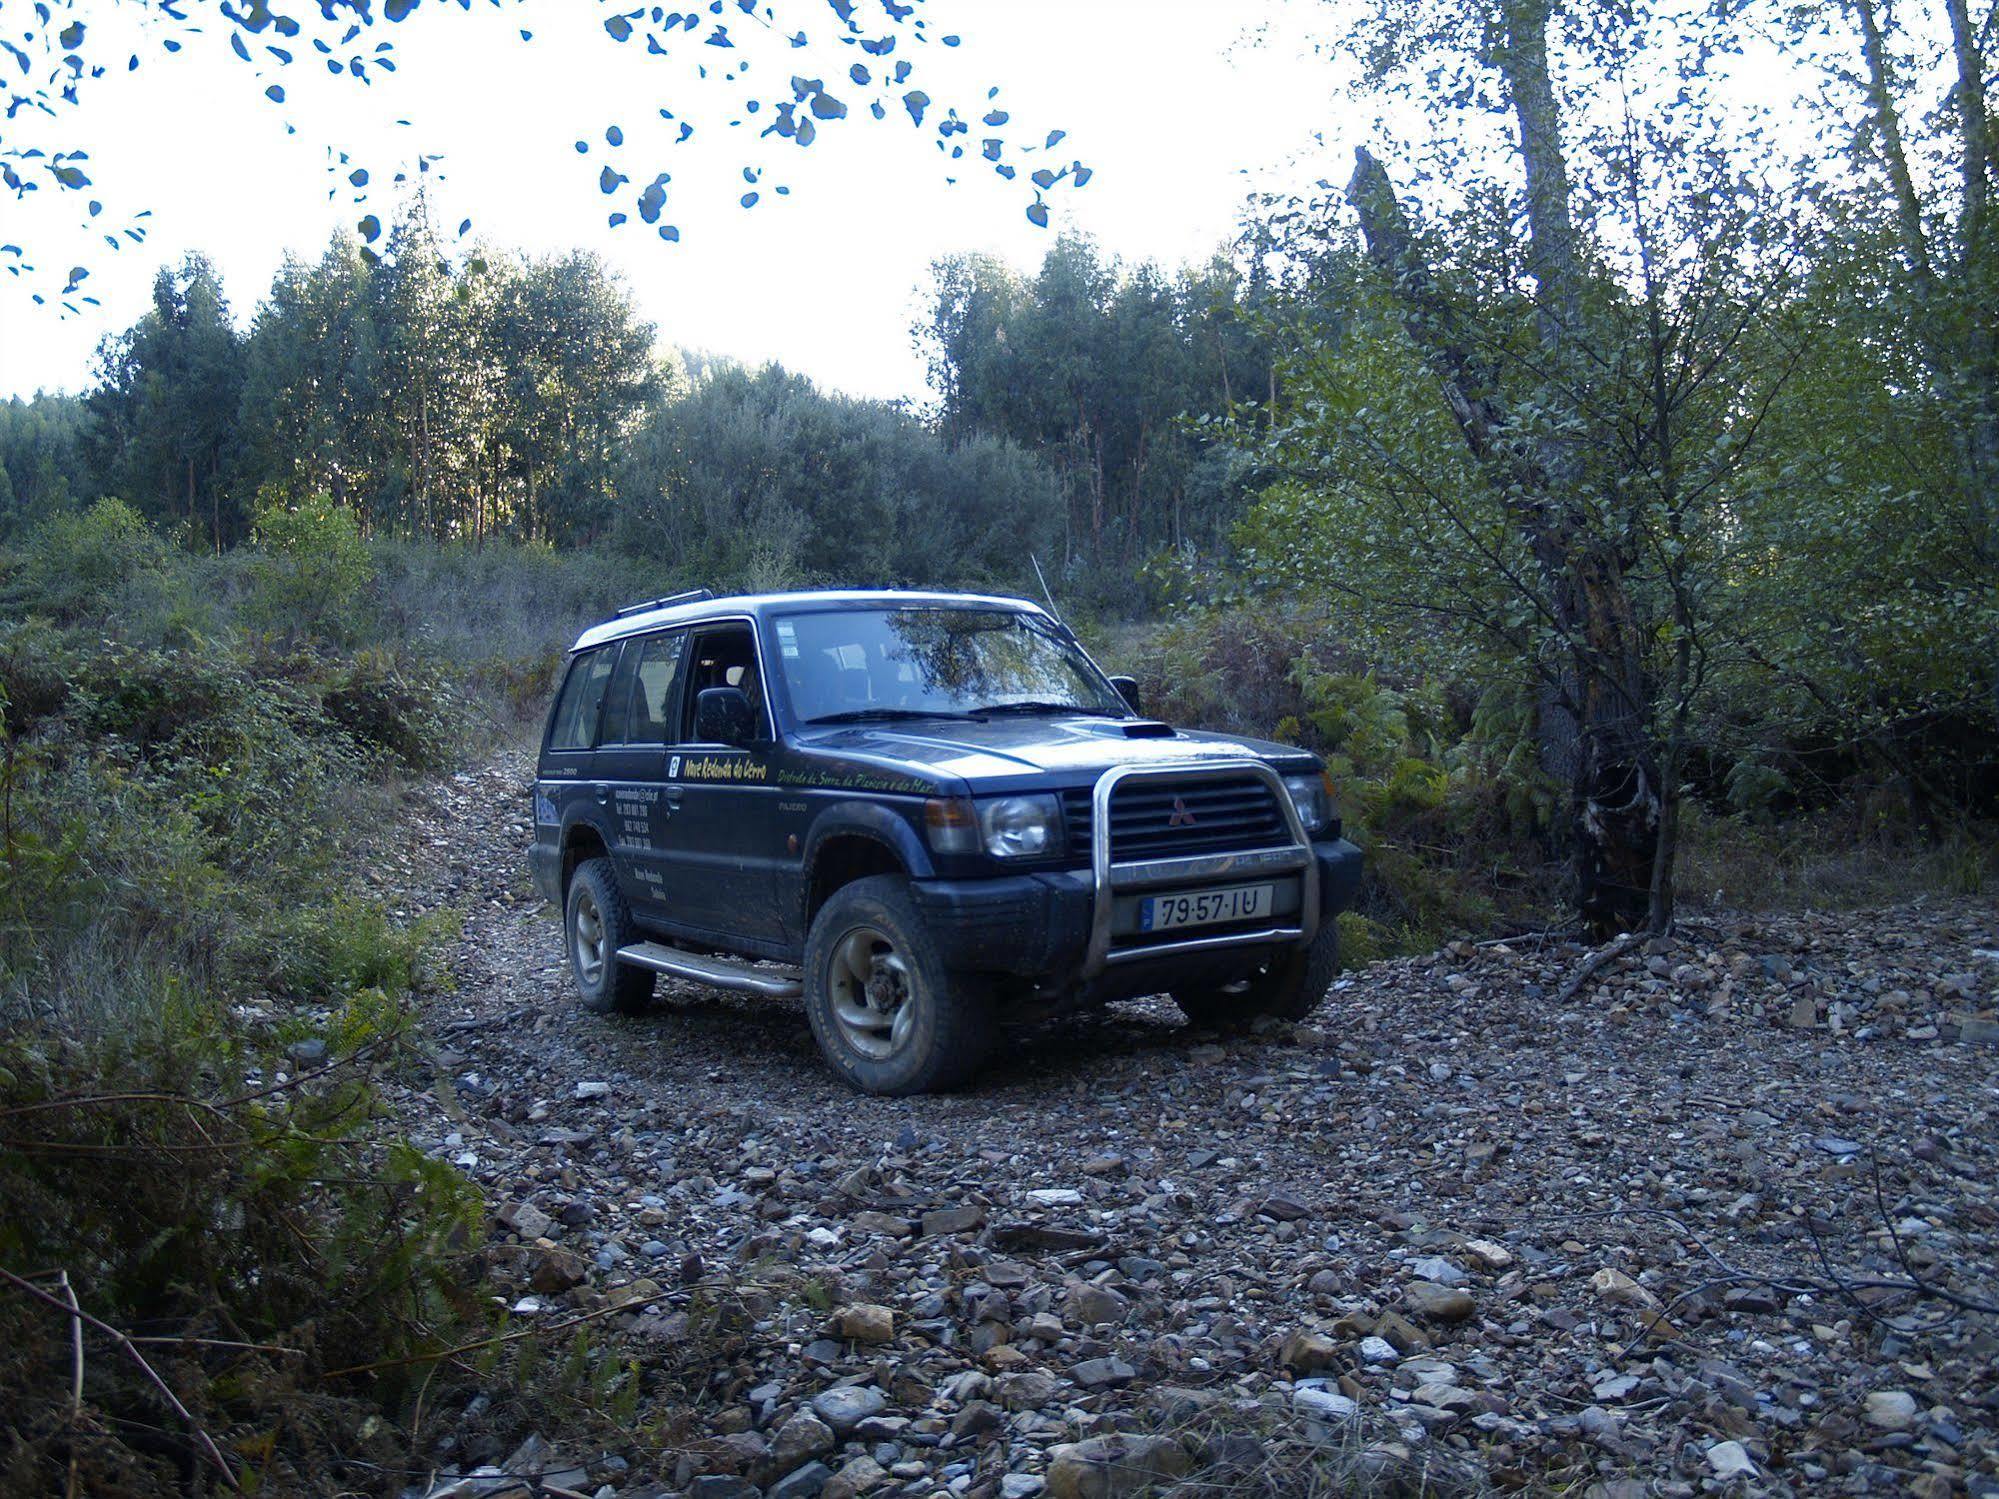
[(1436, 788), (43, 471), (345, 945), (1617, 441), (790, 38), (401, 708), (185, 1204), (97, 562), (759, 481), (182, 812), (1104, 371), (162, 428), (310, 570), (177, 913)]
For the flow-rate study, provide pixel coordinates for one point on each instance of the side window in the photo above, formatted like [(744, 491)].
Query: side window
[(724, 658), (618, 699), (655, 676), (582, 696)]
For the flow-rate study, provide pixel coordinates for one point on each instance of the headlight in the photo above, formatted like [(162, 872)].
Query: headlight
[(1312, 795), (1020, 827)]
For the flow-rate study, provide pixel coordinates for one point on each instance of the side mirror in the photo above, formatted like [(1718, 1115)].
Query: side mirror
[(1127, 688), (722, 715)]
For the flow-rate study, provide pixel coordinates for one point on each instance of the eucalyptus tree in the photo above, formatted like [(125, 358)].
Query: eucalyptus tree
[(575, 370), (42, 466), (311, 418), (163, 413), (759, 478), (1108, 370)]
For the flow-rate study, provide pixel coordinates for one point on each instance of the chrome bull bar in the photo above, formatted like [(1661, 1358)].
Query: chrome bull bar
[(1109, 879)]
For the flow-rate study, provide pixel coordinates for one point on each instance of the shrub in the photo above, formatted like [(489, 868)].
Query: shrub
[(1445, 795), (343, 945), (249, 1231), (94, 563), (309, 569), (169, 849), (175, 811), (399, 708)]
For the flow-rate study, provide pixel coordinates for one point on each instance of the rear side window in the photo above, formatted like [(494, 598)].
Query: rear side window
[(657, 674), (582, 697), (618, 699)]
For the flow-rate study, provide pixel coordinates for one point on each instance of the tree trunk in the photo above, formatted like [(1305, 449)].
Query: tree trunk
[(1597, 662)]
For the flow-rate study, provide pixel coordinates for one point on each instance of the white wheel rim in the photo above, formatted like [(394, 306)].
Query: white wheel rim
[(588, 939), (868, 985)]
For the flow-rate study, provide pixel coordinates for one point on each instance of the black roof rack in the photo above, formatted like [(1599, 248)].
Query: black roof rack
[(692, 596)]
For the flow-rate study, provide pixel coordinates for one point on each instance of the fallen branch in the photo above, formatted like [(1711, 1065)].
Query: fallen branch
[(1595, 962), (78, 1316), (498, 1340), (1832, 1284)]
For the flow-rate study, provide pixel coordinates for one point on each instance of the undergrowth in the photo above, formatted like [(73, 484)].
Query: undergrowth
[(202, 1013), (1440, 788), (197, 1012), (1441, 785)]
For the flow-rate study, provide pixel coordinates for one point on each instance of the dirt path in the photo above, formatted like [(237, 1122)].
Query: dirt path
[(1446, 1200)]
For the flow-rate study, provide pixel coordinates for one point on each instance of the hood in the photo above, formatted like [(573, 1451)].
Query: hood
[(1008, 753)]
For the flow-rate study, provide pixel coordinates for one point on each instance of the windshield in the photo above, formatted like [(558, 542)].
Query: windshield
[(856, 664)]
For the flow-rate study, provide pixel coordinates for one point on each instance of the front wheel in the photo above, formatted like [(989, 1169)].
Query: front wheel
[(1289, 987), (887, 1014)]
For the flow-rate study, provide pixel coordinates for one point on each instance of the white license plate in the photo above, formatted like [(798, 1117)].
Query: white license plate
[(1162, 913)]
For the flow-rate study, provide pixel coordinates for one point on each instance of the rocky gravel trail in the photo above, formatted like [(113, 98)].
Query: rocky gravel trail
[(1655, 1236)]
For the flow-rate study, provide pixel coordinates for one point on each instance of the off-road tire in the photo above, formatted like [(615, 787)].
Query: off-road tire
[(608, 987), (1288, 989), (945, 1037)]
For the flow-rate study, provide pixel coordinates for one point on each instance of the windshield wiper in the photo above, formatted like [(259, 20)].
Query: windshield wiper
[(1034, 707), (877, 715)]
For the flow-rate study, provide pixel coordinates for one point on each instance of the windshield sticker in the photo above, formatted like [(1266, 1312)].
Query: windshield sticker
[(787, 639)]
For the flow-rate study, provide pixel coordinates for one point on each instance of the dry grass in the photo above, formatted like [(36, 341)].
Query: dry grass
[(1833, 861), (1268, 1451)]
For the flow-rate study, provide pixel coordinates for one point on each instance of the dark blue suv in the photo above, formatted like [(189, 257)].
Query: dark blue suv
[(926, 813)]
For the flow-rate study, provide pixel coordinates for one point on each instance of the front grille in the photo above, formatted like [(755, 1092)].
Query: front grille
[(1214, 815)]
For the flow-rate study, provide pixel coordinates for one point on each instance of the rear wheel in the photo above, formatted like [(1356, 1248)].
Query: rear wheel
[(597, 922), (887, 1014), (1289, 987)]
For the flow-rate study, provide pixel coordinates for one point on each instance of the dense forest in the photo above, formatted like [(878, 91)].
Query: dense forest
[(489, 398), (1769, 587)]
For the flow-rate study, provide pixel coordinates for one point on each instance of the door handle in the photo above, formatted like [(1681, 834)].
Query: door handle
[(603, 793), (673, 795)]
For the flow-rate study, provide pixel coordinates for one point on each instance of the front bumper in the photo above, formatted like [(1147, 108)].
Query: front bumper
[(1042, 926)]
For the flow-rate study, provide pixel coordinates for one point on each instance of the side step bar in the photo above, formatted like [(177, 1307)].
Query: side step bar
[(717, 973)]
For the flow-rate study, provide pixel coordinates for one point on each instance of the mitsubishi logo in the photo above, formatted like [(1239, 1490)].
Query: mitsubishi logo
[(1181, 817)]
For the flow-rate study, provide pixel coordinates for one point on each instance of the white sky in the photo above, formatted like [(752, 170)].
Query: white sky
[(1171, 102)]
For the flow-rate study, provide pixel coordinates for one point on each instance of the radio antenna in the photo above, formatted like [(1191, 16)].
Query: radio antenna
[(1046, 595)]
